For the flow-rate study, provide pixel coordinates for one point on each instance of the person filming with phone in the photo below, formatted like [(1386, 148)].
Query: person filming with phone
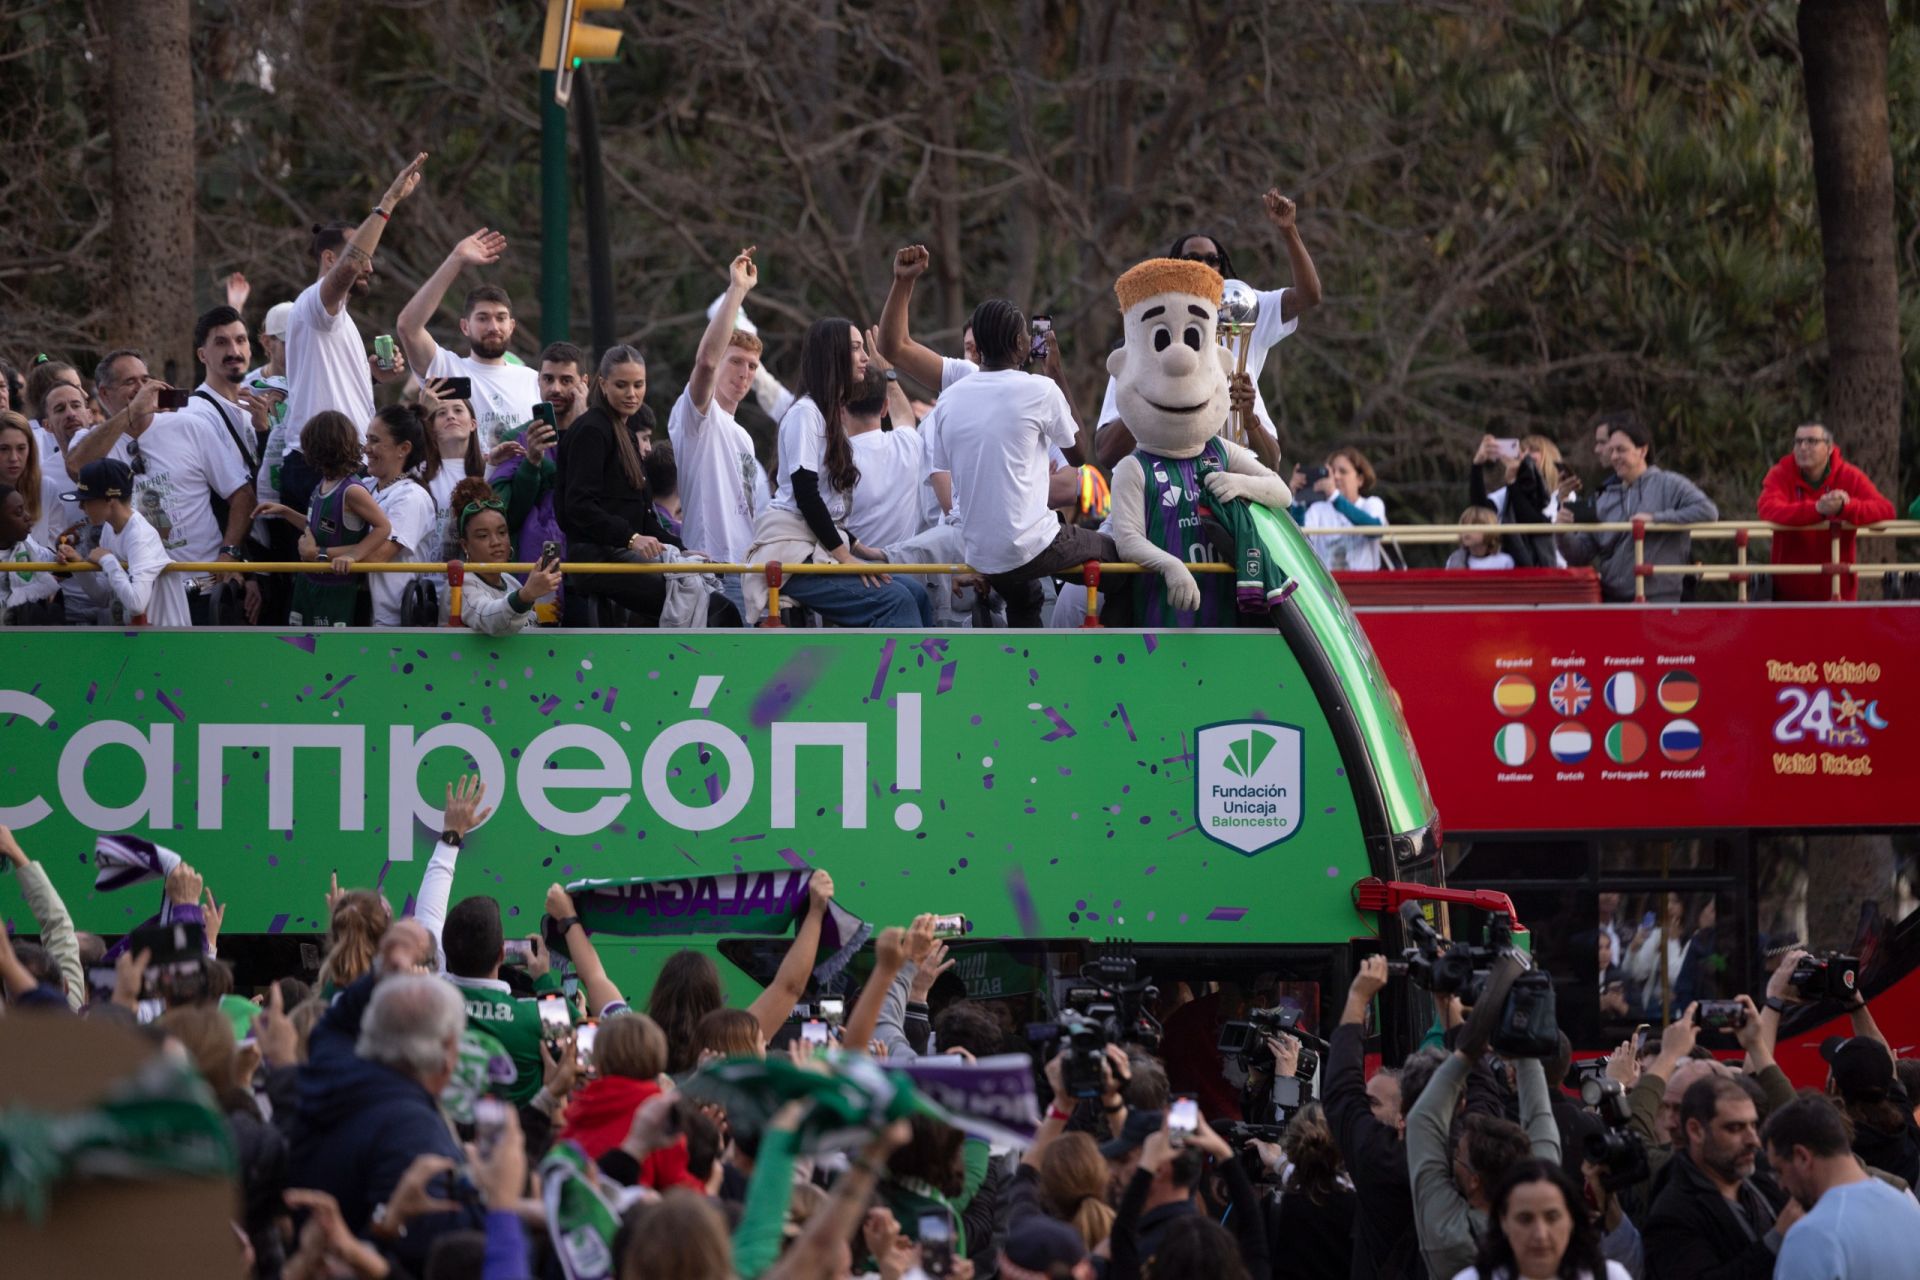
[(497, 604), (1519, 480)]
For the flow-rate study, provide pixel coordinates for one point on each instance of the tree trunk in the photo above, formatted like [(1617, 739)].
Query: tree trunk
[(150, 102), (1843, 47)]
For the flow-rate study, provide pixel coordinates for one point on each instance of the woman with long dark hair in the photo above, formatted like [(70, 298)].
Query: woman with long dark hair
[(816, 476), (601, 497), (1310, 1228), (1542, 1230)]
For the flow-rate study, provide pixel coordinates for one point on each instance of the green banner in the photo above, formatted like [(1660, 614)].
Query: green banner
[(1089, 784)]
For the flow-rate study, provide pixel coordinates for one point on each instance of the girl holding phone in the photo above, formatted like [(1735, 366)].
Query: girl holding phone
[(495, 604)]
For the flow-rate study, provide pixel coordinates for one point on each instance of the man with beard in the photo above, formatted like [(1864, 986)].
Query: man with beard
[(1716, 1220), (190, 469), (503, 393), (526, 482), (328, 366)]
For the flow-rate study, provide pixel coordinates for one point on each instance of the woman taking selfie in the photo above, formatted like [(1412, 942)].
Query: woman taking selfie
[(494, 603)]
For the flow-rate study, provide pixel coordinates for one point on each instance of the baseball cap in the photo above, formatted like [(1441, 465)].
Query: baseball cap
[(276, 322), (112, 478), (1133, 1135), (1862, 1068), (1038, 1243)]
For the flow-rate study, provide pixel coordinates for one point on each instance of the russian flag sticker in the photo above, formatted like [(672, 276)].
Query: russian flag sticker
[(1625, 693), (1514, 745), (1680, 741), (1570, 743)]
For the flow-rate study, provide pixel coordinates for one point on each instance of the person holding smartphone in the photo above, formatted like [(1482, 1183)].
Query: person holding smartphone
[(496, 604)]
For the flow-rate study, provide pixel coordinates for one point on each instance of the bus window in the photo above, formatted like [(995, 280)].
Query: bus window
[(1658, 855), (1841, 892), (1497, 862), (1669, 949)]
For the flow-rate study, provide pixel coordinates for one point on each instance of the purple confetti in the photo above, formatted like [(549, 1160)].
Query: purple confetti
[(1033, 677), (278, 923), (304, 643), (1061, 729), (1152, 642), (486, 715), (1022, 897), (612, 693), (787, 685), (1126, 720), (1230, 915), (546, 708), (933, 649), (338, 687), (880, 673), (744, 839), (1183, 831), (713, 788), (946, 678), (407, 910), (93, 687), (794, 860), (170, 705)]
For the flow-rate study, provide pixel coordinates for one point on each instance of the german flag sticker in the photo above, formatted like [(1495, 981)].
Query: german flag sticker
[(1514, 695), (1679, 692)]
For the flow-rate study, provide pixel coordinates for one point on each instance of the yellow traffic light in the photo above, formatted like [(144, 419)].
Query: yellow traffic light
[(570, 41)]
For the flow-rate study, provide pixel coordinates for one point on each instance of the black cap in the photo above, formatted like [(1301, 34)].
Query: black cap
[(107, 478), (1862, 1068), (1038, 1243), (1133, 1135)]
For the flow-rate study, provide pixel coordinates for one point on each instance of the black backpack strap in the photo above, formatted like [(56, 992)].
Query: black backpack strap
[(246, 454)]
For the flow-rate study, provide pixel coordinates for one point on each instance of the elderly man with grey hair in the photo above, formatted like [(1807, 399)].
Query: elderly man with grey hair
[(369, 1094)]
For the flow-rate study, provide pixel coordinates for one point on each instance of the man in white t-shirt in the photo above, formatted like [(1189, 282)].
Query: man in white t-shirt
[(1280, 312), (722, 484), (504, 393), (328, 365), (999, 430), (886, 508), (130, 556)]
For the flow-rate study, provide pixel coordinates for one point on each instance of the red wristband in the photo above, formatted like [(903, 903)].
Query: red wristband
[(1055, 1113)]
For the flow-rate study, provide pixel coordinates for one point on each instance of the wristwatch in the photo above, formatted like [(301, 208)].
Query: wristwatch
[(233, 552), (451, 838), (561, 926), (1776, 1004), (891, 375)]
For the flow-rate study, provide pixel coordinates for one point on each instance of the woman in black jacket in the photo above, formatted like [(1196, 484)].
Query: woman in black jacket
[(1310, 1228), (601, 496)]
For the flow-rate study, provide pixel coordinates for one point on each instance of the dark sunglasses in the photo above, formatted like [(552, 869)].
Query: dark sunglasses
[(1210, 259), (136, 460)]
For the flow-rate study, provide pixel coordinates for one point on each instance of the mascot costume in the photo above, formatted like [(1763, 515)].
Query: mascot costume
[(1183, 495)]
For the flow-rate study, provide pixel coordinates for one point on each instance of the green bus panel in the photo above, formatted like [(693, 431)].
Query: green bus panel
[(1174, 788)]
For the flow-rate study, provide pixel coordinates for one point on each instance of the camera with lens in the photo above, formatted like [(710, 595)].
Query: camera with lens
[(1244, 1040), (1828, 975), (1528, 1026), (1617, 1149), (1107, 1006)]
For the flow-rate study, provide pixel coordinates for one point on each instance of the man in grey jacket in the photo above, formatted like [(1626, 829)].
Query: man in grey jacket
[(1642, 489), (1452, 1187), (57, 937)]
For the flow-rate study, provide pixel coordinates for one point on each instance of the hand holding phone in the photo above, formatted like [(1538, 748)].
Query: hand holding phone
[(936, 1243), (1183, 1120), (555, 1022)]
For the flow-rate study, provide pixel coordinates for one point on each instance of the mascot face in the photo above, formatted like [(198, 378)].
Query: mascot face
[(1171, 374)]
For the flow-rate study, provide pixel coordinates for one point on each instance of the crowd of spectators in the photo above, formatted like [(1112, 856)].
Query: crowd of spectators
[(367, 1142), (289, 460)]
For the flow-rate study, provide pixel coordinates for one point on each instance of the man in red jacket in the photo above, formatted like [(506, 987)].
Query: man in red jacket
[(1811, 486)]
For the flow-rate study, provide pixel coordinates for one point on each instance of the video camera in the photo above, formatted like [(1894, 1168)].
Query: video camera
[(1528, 1027), (1617, 1149), (1245, 1041), (1828, 975), (1107, 1006)]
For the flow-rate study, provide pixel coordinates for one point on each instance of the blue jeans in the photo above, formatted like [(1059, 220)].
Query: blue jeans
[(844, 599)]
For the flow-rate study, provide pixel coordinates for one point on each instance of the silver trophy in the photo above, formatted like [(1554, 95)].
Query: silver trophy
[(1239, 308)]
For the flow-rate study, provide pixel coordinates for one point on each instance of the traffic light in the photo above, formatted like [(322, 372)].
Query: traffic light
[(570, 41)]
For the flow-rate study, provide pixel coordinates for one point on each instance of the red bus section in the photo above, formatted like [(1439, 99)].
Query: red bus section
[(1674, 797)]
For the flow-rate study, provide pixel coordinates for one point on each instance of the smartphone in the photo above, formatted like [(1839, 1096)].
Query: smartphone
[(383, 350), (1183, 1120), (813, 1031), (455, 389), (543, 412), (519, 952), (555, 1021), (549, 553), (1314, 475), (1507, 447), (1042, 332), (1720, 1015), (833, 1010), (936, 1243), (952, 926), (171, 399), (490, 1116), (583, 1037), (1640, 1035)]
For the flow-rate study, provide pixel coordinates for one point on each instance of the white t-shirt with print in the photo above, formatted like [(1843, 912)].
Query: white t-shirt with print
[(503, 394), (187, 464), (803, 447), (722, 484), (130, 575), (1353, 551), (994, 431), (1268, 331), (410, 511), (886, 502), (222, 414), (326, 366)]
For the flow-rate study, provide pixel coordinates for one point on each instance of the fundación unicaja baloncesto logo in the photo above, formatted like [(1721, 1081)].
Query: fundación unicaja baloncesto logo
[(1248, 783)]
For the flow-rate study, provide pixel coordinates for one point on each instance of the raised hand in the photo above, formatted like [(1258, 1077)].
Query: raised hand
[(879, 362), (1280, 210), (819, 890), (910, 263), (463, 805), (184, 885), (404, 183), (238, 291), (481, 249), (743, 274)]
